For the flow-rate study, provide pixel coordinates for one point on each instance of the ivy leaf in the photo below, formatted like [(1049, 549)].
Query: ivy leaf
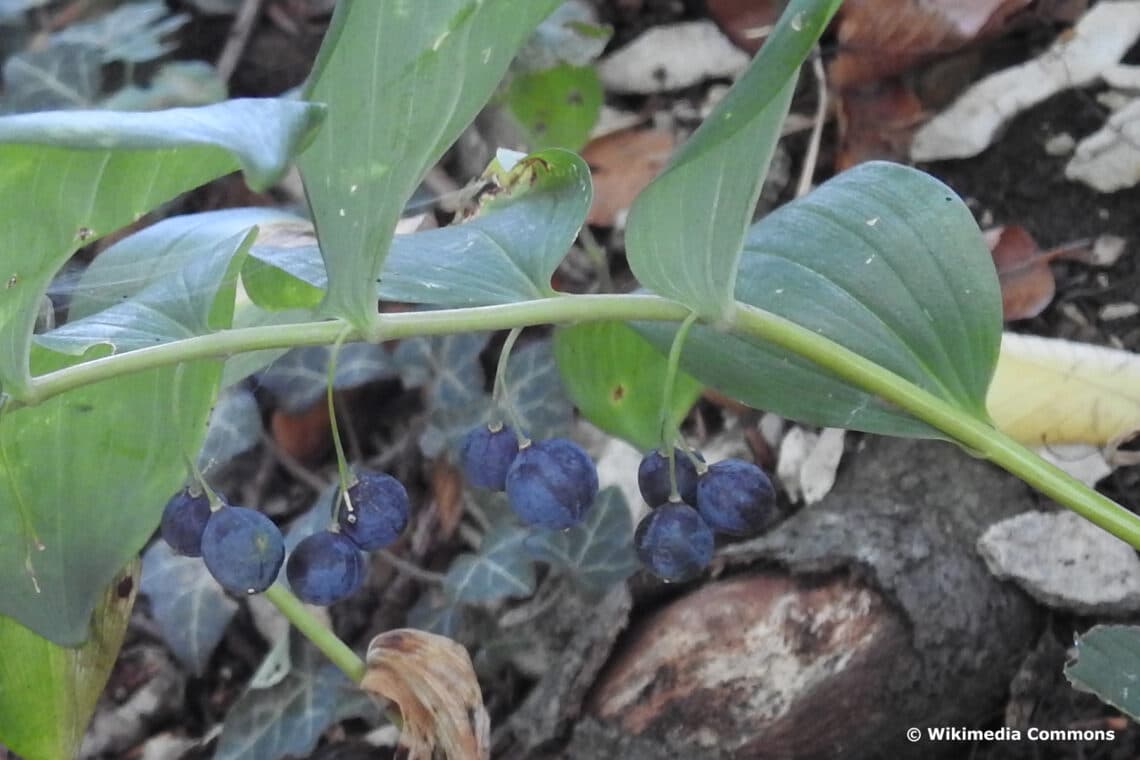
[(537, 391), (191, 609), (300, 378), (289, 717), (234, 428), (596, 553), (501, 569)]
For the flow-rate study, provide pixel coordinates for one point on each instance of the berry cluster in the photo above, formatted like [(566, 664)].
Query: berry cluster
[(552, 483), (244, 550), (549, 483), (675, 540)]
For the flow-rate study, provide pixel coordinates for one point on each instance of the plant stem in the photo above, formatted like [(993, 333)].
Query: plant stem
[(324, 639), (500, 395), (974, 434), (341, 498), (669, 436), (558, 309)]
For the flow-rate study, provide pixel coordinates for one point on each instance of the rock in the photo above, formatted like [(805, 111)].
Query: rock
[(1065, 562)]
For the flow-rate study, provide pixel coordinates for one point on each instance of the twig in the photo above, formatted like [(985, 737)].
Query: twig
[(811, 158), (237, 38), (408, 568)]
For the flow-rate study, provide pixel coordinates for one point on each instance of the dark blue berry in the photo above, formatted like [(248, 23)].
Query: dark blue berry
[(552, 483), (674, 542), (324, 568), (183, 522), (736, 497), (377, 511), (487, 454), (653, 477), (242, 549)]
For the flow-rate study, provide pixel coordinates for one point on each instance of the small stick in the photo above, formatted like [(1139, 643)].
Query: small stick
[(237, 38)]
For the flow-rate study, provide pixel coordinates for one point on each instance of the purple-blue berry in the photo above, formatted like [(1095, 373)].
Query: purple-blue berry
[(377, 511), (674, 542), (653, 477), (487, 454), (243, 549), (736, 497), (183, 521), (552, 483), (325, 568)]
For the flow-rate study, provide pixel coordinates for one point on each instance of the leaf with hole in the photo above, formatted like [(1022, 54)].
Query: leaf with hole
[(882, 259), (617, 380)]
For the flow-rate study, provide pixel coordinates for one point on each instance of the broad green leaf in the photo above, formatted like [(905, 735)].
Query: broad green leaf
[(84, 476), (67, 178), (288, 718), (48, 692), (598, 552), (177, 306), (884, 260), (65, 75), (451, 375), (1108, 665), (191, 609), (402, 80), (132, 33), (616, 379), (160, 252), (685, 229), (506, 254), (500, 569), (556, 107)]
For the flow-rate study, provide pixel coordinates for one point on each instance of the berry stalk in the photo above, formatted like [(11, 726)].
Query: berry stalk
[(324, 639)]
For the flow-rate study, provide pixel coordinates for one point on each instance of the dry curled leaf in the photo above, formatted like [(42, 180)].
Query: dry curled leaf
[(622, 164), (431, 679), (1027, 284)]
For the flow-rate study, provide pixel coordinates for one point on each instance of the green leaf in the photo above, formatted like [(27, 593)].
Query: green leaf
[(598, 552), (48, 692), (685, 229), (570, 34), (501, 569), (402, 80), (178, 306), (234, 428), (556, 107), (160, 252), (884, 260), (67, 178), (506, 254), (84, 476), (191, 609), (61, 76), (1108, 665), (616, 379)]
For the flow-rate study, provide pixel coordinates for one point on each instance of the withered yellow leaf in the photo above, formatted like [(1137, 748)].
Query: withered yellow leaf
[(1048, 391), (432, 681)]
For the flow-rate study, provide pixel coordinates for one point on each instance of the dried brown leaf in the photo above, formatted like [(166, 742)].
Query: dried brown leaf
[(432, 681), (622, 164), (1027, 284)]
